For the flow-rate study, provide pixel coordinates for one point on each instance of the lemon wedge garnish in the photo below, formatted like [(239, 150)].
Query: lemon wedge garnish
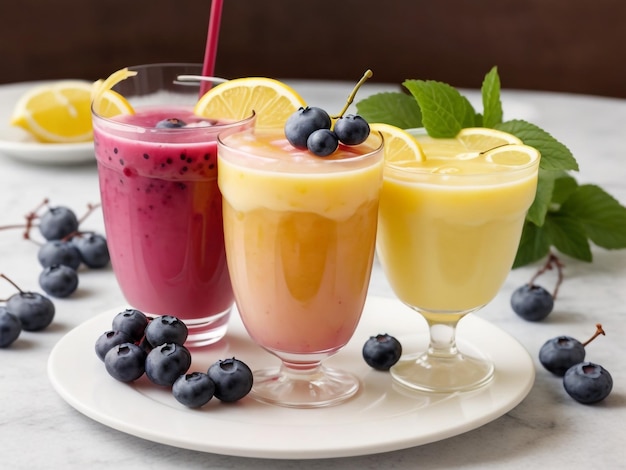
[(399, 145), (271, 100)]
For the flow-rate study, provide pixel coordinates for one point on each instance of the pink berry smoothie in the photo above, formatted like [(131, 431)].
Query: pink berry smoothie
[(163, 216)]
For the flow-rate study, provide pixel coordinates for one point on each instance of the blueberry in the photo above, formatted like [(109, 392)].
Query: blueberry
[(34, 310), (125, 362), (57, 223), (322, 142), (10, 327), (193, 390), (301, 124), (130, 321), (171, 123), (109, 339), (166, 329), (560, 353), (352, 129), (587, 382), (382, 351), (167, 362), (93, 250), (59, 252), (232, 379), (58, 280), (532, 302)]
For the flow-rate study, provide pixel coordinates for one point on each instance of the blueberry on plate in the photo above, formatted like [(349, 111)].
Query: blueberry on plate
[(532, 302), (166, 329), (130, 321), (34, 310), (382, 351), (167, 362), (193, 390), (110, 339), (232, 378), (587, 383), (125, 362), (558, 354)]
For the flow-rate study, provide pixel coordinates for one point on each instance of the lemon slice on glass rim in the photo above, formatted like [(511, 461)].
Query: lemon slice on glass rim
[(469, 141), (399, 145), (271, 100)]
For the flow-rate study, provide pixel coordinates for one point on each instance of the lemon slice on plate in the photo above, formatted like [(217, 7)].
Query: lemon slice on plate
[(399, 145), (271, 100)]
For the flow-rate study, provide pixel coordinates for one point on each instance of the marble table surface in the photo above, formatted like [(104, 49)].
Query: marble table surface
[(38, 429)]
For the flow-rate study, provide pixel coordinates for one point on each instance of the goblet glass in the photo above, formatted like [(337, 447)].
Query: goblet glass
[(300, 238), (449, 229)]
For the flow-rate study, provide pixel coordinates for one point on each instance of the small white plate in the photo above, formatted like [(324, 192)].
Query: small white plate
[(20, 145), (382, 417)]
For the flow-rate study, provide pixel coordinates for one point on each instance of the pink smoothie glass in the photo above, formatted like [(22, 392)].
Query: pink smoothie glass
[(162, 207)]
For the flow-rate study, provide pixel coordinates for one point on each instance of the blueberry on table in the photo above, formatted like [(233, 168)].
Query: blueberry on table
[(532, 302), (110, 339), (58, 280), (558, 354), (59, 252), (232, 378), (167, 362), (352, 129), (322, 142), (301, 124), (10, 327), (130, 321), (93, 250), (193, 390), (34, 310), (57, 223), (382, 351), (125, 362), (166, 329), (588, 383)]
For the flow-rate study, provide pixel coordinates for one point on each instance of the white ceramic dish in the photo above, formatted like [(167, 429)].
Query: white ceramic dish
[(382, 417), (20, 145)]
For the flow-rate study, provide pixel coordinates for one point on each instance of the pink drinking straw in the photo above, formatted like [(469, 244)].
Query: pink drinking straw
[(210, 51)]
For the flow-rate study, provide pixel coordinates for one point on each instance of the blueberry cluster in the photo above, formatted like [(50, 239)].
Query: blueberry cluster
[(310, 128), (382, 351), (586, 382), (138, 345), (23, 311), (65, 249)]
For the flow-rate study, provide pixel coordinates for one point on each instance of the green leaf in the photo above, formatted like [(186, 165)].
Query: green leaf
[(554, 155), (444, 110), (543, 197), (534, 245), (492, 106), (564, 186), (601, 215), (568, 235), (395, 108)]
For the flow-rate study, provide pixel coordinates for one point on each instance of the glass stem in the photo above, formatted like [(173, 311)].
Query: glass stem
[(442, 339)]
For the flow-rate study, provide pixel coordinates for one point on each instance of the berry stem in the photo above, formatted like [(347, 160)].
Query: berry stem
[(599, 331), (551, 262), (90, 209), (368, 74), (4, 276)]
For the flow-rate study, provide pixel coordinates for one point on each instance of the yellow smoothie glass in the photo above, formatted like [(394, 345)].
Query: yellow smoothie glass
[(449, 229), (300, 236)]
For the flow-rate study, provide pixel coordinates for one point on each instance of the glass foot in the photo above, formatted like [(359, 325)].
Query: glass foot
[(442, 374), (304, 389)]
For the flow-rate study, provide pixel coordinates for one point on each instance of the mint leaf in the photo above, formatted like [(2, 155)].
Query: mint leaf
[(492, 106), (395, 108), (564, 186), (568, 235), (554, 155), (444, 110), (543, 197), (601, 216), (534, 245)]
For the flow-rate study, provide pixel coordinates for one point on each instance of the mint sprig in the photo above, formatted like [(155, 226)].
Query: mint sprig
[(564, 216)]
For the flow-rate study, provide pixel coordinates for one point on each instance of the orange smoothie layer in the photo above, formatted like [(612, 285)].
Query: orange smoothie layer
[(449, 228), (300, 234)]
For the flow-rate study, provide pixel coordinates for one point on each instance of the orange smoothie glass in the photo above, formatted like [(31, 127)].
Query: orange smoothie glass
[(300, 238), (449, 229), (161, 204)]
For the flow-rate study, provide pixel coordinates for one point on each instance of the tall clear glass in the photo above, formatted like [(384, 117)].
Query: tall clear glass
[(449, 229), (300, 238), (162, 207)]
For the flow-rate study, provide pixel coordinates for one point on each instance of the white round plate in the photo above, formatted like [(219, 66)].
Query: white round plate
[(20, 145), (382, 417)]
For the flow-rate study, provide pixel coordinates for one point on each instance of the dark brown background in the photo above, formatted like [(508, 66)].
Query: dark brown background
[(565, 45)]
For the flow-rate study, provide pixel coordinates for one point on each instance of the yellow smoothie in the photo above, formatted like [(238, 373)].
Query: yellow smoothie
[(449, 226), (300, 234)]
